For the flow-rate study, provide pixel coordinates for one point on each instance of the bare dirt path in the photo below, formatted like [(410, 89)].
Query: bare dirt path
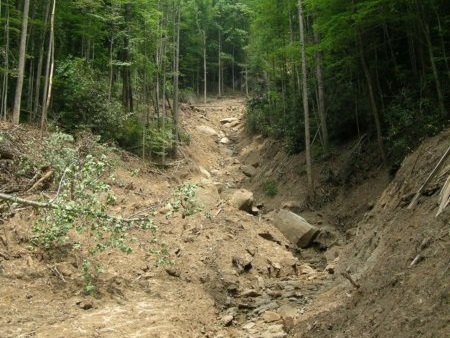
[(233, 274)]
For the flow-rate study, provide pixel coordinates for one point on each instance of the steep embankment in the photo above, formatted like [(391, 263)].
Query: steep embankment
[(399, 257)]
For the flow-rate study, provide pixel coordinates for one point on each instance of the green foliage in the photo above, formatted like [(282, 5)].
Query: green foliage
[(270, 188), (408, 123), (162, 255), (184, 198), (80, 208), (56, 153), (82, 101)]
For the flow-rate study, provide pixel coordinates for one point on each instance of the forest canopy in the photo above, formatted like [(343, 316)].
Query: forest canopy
[(348, 68)]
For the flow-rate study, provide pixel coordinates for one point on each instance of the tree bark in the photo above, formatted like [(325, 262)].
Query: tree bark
[(4, 107), (373, 103), (205, 73), (220, 64), (306, 103), (21, 68), (321, 95), (175, 78), (49, 70)]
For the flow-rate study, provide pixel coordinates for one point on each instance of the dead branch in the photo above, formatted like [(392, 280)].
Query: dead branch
[(350, 279), (47, 205), (432, 174), (445, 197), (45, 177)]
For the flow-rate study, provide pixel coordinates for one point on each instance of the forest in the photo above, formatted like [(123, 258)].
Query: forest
[(316, 72)]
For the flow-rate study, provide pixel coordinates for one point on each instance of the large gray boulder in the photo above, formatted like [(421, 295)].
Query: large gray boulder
[(295, 228)]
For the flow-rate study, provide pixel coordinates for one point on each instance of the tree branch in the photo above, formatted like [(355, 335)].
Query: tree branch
[(83, 211)]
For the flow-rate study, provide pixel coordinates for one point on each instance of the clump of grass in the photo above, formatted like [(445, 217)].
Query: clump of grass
[(270, 188)]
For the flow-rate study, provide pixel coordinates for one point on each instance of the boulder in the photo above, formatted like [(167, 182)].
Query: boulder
[(243, 200), (248, 170), (225, 140), (206, 130), (229, 120), (295, 228)]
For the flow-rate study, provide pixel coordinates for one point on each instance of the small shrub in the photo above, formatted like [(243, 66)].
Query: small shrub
[(184, 197), (270, 188)]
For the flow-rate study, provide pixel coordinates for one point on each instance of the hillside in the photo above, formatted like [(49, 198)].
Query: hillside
[(222, 272)]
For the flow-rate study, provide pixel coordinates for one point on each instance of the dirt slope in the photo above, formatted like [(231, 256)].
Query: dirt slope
[(233, 273), (400, 258)]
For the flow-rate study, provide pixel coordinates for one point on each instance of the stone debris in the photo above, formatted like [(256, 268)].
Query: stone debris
[(229, 120), (270, 317), (248, 170), (243, 200), (225, 140), (206, 130), (227, 320)]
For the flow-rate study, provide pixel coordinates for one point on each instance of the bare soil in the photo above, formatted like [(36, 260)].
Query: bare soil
[(233, 273)]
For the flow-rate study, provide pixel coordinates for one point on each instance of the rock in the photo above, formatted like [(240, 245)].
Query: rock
[(206, 130), (268, 236), (243, 200), (255, 210), (86, 304), (228, 120), (242, 264), (225, 151), (306, 269), (288, 324), (265, 307), (292, 206), (227, 320), (295, 228), (204, 172), (250, 293), (330, 269), (270, 317), (327, 238), (232, 124), (173, 272), (225, 140), (287, 311), (248, 326), (165, 210), (248, 170), (65, 268)]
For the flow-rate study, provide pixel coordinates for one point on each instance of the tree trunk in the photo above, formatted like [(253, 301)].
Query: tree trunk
[(220, 64), (205, 84), (175, 78), (49, 71), (305, 103), (373, 103), (437, 82), (321, 95), (21, 68), (4, 107)]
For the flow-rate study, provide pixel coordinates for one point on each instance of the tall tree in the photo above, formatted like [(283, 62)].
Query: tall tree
[(21, 67), (305, 102)]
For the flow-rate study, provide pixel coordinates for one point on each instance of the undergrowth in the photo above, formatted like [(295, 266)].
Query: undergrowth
[(75, 219)]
